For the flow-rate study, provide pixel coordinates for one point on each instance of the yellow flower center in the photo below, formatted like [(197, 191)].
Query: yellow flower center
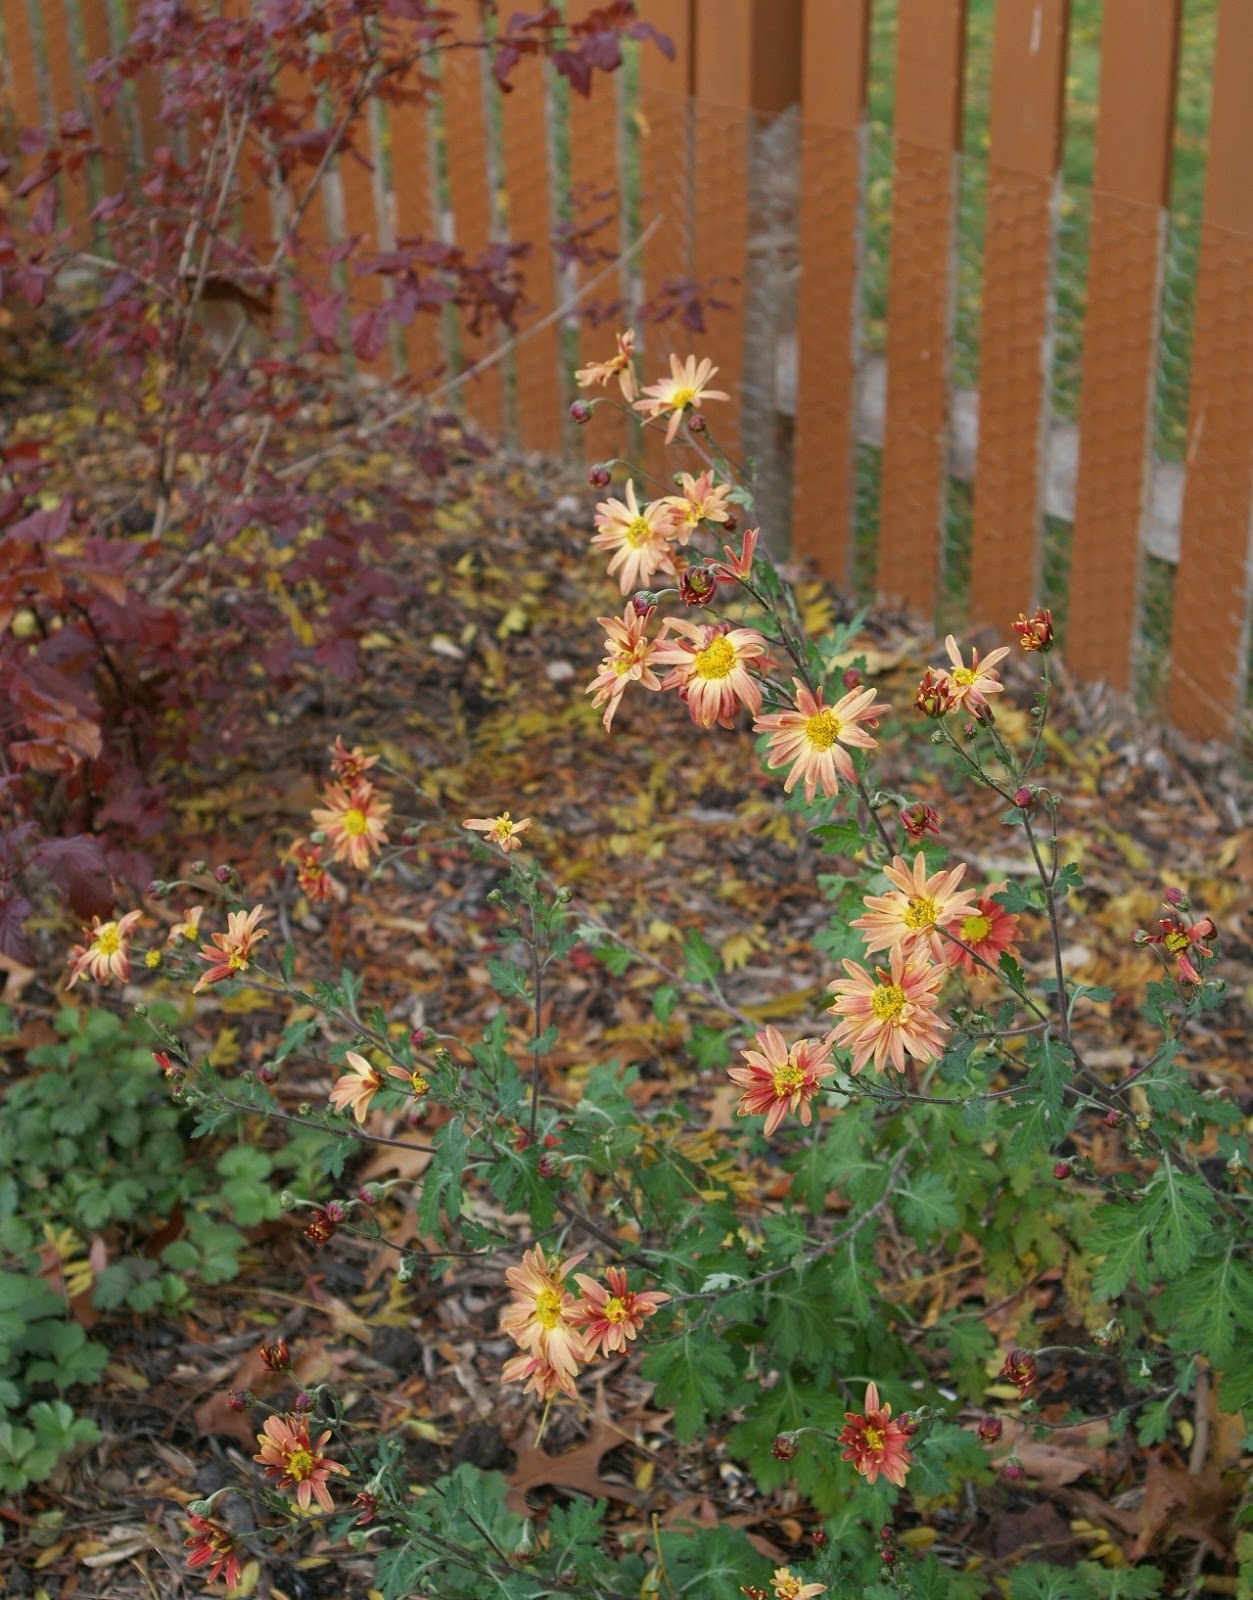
[(300, 1464), (615, 1309), (873, 1438), (921, 912), (548, 1308), (153, 958), (355, 823), (1176, 941), (108, 940), (716, 660), (787, 1078), (823, 730), (963, 676), (418, 1083), (888, 1002), (682, 397), (638, 532), (976, 929), (237, 961)]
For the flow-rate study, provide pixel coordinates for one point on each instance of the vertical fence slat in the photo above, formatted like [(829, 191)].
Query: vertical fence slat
[(1209, 646), (465, 128), (361, 222), (723, 88), (409, 132), (97, 43), (23, 64), (1028, 90), (525, 116), (597, 193), (929, 62), (833, 106), (1130, 188)]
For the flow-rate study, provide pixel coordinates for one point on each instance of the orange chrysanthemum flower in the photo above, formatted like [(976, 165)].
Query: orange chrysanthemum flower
[(628, 661), (787, 1586), (230, 953), (701, 501), (189, 927), (986, 933), (540, 1316), (288, 1455), (620, 366), (107, 953), (354, 820), (912, 914), (356, 1088), (538, 1377), (212, 1545), (778, 1079), (611, 1314), (640, 539), (710, 669), (501, 830), (312, 878), (971, 685), (892, 1014), (349, 765), (874, 1443), (684, 390), (813, 736)]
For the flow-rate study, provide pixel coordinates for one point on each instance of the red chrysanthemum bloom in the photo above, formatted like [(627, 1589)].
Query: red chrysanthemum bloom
[(312, 878), (874, 1443), (918, 821), (349, 765), (540, 1317), (629, 658), (1019, 1368), (915, 910), (987, 933), (710, 669), (213, 1546), (813, 736), (230, 953), (1180, 939), (971, 685), (778, 1079), (892, 1014), (611, 1314), (935, 694), (288, 1455), (1035, 632), (354, 821), (107, 953)]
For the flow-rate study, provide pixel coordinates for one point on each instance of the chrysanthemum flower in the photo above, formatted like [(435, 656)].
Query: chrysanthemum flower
[(611, 1314), (787, 1586), (971, 685), (778, 1079), (539, 1377), (354, 821), (189, 927), (630, 652), (540, 1317), (640, 539), (1180, 939), (710, 669), (684, 390), (739, 567), (501, 830), (987, 933), (349, 765), (874, 1443), (1035, 632), (356, 1088), (813, 736), (891, 1014), (702, 500), (231, 952), (213, 1546), (916, 908), (919, 820), (288, 1455), (936, 694), (107, 953), (312, 878), (621, 366)]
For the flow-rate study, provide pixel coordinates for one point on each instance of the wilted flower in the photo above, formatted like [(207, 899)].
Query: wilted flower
[(501, 830), (611, 1314), (288, 1455), (230, 953), (107, 952), (1035, 632), (811, 739), (778, 1079), (213, 1546), (874, 1443), (740, 566), (990, 1429)]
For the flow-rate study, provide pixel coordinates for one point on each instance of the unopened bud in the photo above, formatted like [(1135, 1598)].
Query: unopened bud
[(157, 889), (421, 1038), (818, 1538), (851, 677), (286, 1199), (784, 1447), (222, 874), (241, 1399), (266, 1074), (548, 1167), (887, 1534), (599, 476), (303, 1402), (580, 412), (989, 1429), (1113, 1118), (887, 1556), (696, 422), (1013, 1470), (1061, 1169), (1024, 799), (642, 602), (1175, 897)]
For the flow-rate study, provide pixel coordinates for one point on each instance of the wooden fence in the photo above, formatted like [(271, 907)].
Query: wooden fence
[(751, 153)]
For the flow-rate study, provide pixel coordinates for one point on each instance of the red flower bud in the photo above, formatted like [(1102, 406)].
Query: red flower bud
[(919, 820), (222, 874), (548, 1167), (642, 603), (580, 412), (1024, 799), (367, 1505), (696, 422), (990, 1429), (302, 1402), (935, 694), (599, 477), (240, 1399), (1013, 1470), (851, 677), (784, 1447), (276, 1355), (887, 1556), (908, 1425), (887, 1534), (421, 1038), (697, 584), (266, 1074), (1061, 1169), (1019, 1369), (1113, 1118), (1036, 632), (818, 1538)]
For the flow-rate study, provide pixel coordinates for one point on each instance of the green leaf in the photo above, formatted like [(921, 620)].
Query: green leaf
[(442, 1181), (1183, 1207), (1121, 1236), (1211, 1304), (696, 1376), (925, 1205), (1067, 879), (700, 959)]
